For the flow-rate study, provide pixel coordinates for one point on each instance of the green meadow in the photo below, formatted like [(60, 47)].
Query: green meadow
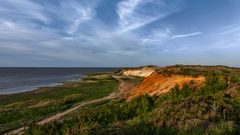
[(21, 109)]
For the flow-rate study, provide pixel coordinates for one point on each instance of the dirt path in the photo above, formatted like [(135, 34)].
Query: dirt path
[(122, 86), (58, 116), (125, 88)]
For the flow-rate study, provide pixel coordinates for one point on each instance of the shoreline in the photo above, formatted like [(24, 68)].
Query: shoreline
[(45, 101), (21, 80), (39, 87), (54, 85)]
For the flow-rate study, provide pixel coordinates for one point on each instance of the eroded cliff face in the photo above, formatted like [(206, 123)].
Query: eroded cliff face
[(157, 84), (140, 72)]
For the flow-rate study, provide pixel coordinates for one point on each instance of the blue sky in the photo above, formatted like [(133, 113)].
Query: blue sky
[(119, 32)]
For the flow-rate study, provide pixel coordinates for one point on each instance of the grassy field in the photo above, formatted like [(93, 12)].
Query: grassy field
[(17, 110), (210, 110)]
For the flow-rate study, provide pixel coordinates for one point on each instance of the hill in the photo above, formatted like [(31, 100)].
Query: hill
[(162, 80), (180, 99)]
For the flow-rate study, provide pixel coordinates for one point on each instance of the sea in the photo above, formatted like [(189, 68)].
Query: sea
[(16, 80)]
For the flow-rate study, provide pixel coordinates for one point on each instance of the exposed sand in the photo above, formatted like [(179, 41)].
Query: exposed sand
[(157, 84), (141, 72)]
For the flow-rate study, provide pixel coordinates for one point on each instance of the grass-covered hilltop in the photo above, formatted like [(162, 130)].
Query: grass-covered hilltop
[(175, 100)]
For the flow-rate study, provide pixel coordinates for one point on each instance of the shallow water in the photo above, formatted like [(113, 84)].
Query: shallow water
[(14, 80)]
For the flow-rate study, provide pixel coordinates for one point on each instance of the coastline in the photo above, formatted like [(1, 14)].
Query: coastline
[(42, 86), (18, 80), (45, 101)]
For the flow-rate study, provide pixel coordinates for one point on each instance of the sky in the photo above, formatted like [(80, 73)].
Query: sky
[(113, 33)]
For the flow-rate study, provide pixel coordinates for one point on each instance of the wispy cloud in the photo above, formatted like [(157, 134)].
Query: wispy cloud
[(157, 37), (25, 10), (230, 29), (134, 14), (186, 35), (82, 14), (127, 12), (225, 38)]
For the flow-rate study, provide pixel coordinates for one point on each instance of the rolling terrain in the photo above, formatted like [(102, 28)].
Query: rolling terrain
[(179, 99)]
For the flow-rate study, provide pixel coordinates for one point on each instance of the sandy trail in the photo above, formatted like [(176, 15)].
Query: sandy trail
[(125, 88), (58, 116)]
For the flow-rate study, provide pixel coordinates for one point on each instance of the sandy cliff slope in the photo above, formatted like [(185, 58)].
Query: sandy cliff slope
[(157, 84), (140, 72)]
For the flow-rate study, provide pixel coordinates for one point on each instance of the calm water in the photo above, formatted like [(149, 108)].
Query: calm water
[(14, 80)]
